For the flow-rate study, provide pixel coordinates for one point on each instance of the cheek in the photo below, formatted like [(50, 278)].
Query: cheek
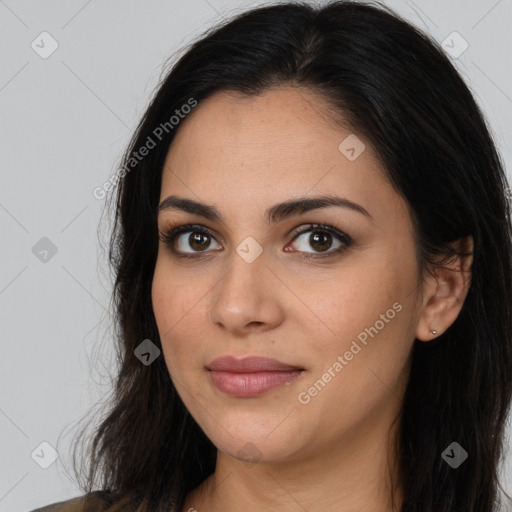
[(164, 307), (365, 312), (169, 307), (353, 299), (173, 297), (179, 314)]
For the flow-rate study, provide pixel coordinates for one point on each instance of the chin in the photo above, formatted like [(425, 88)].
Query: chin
[(255, 437), (252, 451)]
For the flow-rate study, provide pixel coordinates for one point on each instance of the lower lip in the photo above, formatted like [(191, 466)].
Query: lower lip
[(251, 384)]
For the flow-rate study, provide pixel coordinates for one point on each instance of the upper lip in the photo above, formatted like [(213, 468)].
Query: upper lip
[(249, 365)]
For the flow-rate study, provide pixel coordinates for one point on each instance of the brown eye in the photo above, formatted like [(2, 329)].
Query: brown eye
[(198, 240), (321, 238), (320, 241)]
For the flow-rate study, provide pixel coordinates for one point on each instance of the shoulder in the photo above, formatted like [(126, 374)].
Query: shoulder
[(96, 501)]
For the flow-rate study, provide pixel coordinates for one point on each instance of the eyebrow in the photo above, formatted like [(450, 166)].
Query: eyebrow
[(274, 214)]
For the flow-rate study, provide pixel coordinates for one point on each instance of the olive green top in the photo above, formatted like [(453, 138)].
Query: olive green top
[(96, 501)]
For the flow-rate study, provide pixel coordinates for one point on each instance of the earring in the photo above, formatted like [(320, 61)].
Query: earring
[(434, 332)]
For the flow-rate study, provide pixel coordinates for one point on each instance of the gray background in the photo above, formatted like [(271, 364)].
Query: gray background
[(64, 122)]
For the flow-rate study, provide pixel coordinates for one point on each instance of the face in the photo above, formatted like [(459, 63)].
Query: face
[(335, 304)]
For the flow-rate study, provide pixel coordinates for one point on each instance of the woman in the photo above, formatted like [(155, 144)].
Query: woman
[(313, 259)]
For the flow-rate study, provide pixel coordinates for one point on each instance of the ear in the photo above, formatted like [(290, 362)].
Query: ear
[(444, 292)]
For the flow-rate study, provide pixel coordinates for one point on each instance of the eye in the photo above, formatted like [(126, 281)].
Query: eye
[(199, 239), (322, 238)]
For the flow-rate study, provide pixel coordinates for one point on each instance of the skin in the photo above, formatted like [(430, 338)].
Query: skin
[(243, 156)]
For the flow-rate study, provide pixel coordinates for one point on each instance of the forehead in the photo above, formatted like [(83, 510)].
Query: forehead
[(284, 118), (263, 149)]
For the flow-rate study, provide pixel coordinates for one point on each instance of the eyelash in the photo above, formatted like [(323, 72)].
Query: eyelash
[(169, 236)]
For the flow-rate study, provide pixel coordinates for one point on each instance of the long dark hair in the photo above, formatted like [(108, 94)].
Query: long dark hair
[(394, 85)]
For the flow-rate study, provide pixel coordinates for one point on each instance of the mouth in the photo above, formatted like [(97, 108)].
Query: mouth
[(251, 376)]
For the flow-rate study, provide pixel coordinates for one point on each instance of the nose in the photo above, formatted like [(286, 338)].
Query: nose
[(247, 298)]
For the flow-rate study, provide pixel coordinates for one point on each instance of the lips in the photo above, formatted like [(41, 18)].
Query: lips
[(251, 376)]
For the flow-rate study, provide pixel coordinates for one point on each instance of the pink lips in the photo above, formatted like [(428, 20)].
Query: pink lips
[(251, 376)]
